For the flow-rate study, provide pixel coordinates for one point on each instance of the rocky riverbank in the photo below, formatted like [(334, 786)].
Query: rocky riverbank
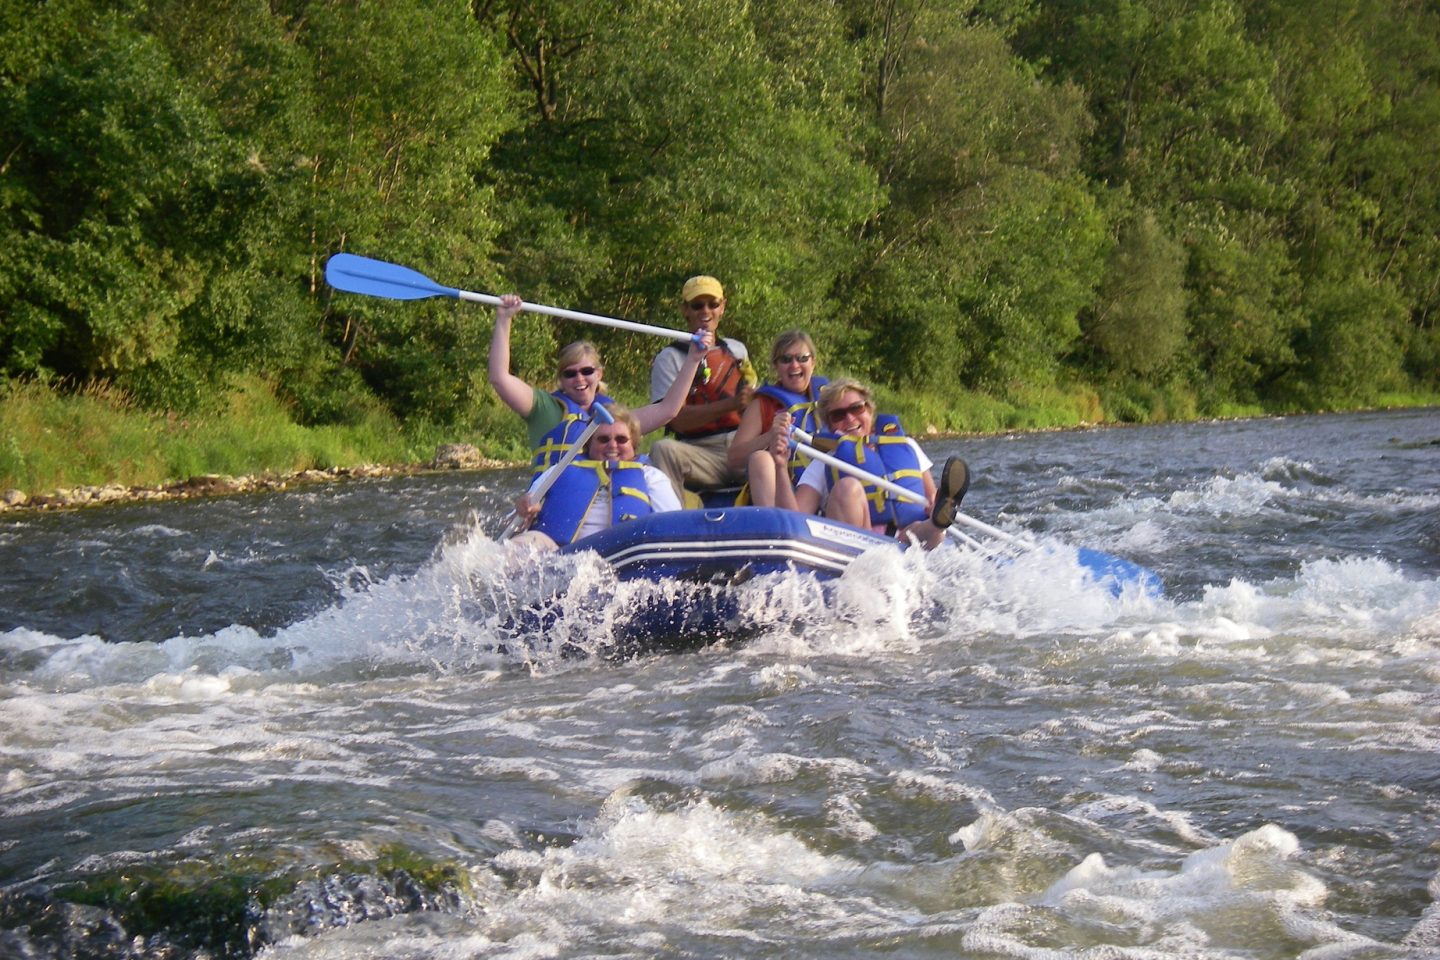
[(450, 456)]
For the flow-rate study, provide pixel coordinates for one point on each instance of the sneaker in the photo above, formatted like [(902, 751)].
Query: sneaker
[(954, 481)]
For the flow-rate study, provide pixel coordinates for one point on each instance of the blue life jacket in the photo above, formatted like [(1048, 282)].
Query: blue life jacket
[(577, 487), (564, 434), (888, 454), (803, 412)]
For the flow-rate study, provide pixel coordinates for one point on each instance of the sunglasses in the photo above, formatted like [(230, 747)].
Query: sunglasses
[(840, 414), (619, 438), (702, 304), (785, 358), (574, 372)]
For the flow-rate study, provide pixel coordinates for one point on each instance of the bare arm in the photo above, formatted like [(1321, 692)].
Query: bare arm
[(806, 499), (662, 411), (513, 392), (753, 435), (749, 437)]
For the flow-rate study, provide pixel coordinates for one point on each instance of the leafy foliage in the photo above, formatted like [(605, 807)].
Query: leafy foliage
[(1137, 322), (1198, 205)]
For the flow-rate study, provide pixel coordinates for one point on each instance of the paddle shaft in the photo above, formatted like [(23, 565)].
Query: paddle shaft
[(1101, 565), (379, 278), (578, 315)]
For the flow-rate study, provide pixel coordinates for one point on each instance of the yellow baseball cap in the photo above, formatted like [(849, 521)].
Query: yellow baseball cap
[(702, 286)]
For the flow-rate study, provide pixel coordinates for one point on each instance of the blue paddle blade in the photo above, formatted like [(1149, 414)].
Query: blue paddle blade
[(376, 278), (1119, 572)]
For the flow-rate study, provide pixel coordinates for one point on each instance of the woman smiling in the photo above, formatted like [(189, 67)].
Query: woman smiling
[(610, 485), (555, 419), (876, 445), (791, 397)]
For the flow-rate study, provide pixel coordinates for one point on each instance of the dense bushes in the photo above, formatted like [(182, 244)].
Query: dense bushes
[(1193, 207)]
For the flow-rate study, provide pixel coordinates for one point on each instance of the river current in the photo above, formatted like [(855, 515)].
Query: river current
[(300, 725)]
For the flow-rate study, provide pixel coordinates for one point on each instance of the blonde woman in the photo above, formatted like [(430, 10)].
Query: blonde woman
[(876, 445), (555, 419), (792, 397)]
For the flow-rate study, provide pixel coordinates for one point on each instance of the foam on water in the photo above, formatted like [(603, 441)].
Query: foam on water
[(1354, 612), (449, 614), (1280, 495), (949, 753), (1019, 880)]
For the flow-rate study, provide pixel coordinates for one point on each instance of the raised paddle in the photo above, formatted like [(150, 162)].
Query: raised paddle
[(376, 278), (599, 415), (1103, 566)]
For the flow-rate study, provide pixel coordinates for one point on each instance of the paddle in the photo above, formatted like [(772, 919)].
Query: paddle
[(599, 415), (1102, 565), (376, 278)]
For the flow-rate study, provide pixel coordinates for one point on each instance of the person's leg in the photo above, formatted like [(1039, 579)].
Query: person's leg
[(846, 503), (954, 481), (760, 473), (709, 465), (669, 457), (697, 464), (533, 541), (925, 533)]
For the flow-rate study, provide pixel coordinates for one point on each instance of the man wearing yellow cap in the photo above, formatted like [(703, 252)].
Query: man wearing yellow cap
[(694, 456)]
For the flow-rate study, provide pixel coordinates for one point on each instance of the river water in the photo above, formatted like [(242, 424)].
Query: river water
[(297, 726)]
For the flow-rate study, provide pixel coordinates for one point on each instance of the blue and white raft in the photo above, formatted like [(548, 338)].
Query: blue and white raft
[(687, 574), (728, 545), (733, 544), (702, 562)]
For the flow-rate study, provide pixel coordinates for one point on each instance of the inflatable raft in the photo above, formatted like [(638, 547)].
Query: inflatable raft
[(682, 576), (728, 545), (701, 562)]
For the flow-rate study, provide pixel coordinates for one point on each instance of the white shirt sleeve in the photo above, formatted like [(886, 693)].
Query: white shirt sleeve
[(925, 462), (815, 476), (663, 371), (662, 492)]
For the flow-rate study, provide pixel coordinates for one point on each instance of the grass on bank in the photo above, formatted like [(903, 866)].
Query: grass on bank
[(98, 436), (51, 440)]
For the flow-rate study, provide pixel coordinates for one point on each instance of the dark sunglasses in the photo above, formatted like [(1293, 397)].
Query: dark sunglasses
[(839, 414), (702, 304), (612, 438), (574, 372), (794, 358)]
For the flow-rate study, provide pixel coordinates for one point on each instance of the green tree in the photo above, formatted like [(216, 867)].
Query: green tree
[(410, 97), (1186, 111), (242, 62), (990, 244), (1359, 84), (1137, 323), (1353, 350), (111, 165), (1244, 314), (663, 143)]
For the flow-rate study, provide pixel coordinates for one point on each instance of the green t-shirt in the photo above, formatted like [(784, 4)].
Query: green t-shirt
[(545, 415)]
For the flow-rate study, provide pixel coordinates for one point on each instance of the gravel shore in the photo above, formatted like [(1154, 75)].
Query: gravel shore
[(453, 456)]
